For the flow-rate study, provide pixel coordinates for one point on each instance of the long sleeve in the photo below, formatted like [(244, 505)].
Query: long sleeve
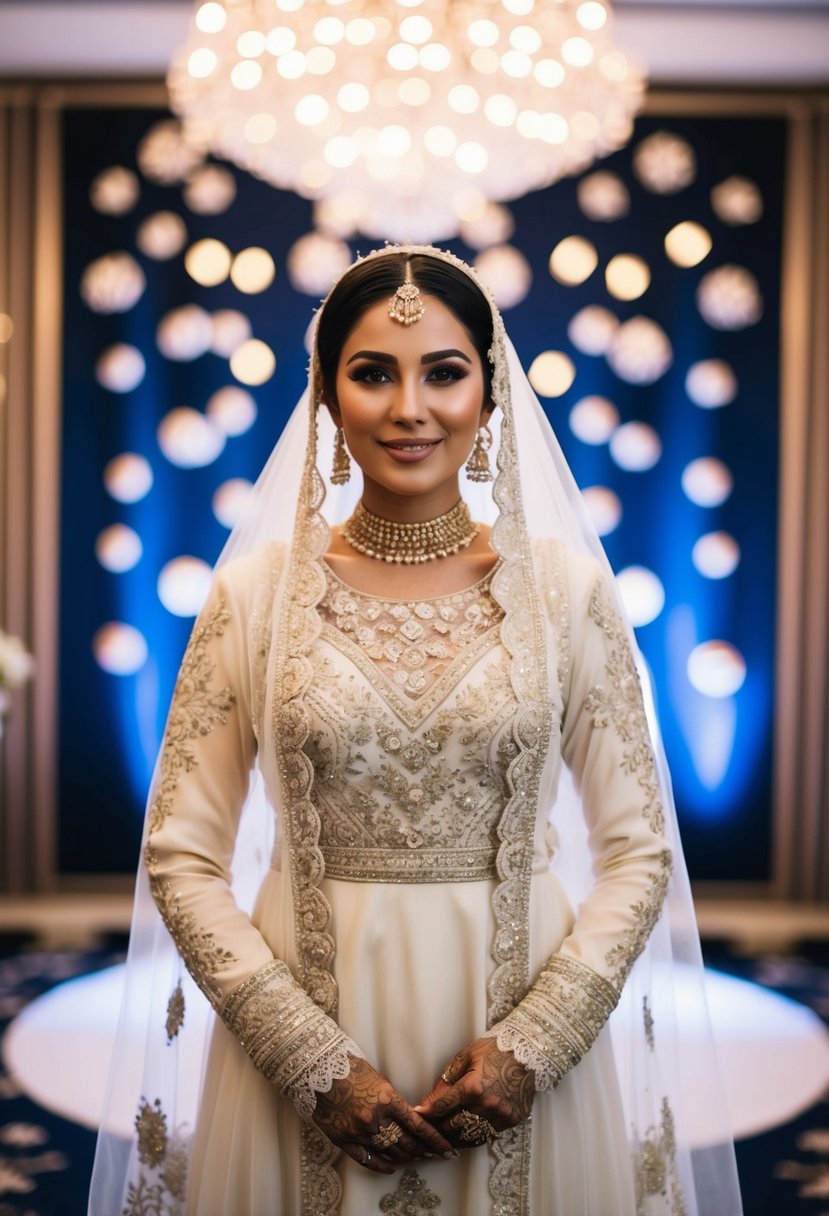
[(201, 785), (606, 744)]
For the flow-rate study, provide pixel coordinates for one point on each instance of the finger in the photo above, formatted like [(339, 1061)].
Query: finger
[(450, 1076), (430, 1140), (444, 1100), (367, 1158)]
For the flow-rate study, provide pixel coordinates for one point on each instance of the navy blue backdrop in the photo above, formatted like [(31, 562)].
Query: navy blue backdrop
[(110, 724)]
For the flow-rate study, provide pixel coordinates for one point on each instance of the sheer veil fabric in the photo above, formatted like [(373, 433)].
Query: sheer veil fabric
[(536, 511)]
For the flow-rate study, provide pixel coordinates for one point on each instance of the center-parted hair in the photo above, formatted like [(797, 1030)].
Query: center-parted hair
[(376, 279)]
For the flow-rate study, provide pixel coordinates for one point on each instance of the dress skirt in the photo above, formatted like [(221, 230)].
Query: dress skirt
[(412, 965)]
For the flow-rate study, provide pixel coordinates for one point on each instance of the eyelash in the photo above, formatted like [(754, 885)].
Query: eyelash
[(365, 373)]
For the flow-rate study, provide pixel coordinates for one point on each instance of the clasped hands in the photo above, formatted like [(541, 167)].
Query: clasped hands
[(481, 1093)]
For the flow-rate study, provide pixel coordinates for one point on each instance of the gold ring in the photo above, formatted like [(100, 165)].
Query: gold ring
[(387, 1134), (444, 1076), (472, 1129)]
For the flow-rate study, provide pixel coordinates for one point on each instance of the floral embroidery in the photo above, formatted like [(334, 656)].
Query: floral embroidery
[(411, 1198), (289, 1038), (558, 1020), (175, 1013), (195, 711), (622, 708), (151, 1125), (655, 1169), (399, 804), (160, 1189)]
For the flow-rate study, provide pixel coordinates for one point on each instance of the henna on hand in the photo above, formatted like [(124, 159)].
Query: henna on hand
[(484, 1081), (350, 1114)]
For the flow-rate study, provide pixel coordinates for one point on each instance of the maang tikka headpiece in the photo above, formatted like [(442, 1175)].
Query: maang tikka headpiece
[(406, 306)]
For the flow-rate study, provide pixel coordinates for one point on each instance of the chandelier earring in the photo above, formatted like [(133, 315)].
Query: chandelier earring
[(341, 468), (477, 466)]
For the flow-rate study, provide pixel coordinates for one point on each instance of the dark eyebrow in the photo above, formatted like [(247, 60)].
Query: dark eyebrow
[(378, 356), (445, 354)]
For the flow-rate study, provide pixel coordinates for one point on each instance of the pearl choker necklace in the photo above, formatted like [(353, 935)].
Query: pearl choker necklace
[(389, 541)]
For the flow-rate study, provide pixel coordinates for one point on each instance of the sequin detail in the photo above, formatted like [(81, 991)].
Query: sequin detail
[(558, 1020), (412, 1197), (402, 804), (655, 1169), (196, 710), (620, 705), (175, 1013), (289, 1038), (161, 1185)]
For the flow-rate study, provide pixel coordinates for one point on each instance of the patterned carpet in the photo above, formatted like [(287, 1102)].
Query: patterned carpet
[(45, 1161)]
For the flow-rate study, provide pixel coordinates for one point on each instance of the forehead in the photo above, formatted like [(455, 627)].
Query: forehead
[(437, 329)]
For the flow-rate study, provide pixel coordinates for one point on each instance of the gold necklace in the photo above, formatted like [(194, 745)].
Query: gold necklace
[(388, 541)]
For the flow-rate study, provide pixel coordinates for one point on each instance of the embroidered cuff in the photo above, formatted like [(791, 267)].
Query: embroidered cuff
[(291, 1040), (558, 1020)]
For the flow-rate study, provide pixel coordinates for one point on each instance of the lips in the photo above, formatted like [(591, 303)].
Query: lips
[(409, 445)]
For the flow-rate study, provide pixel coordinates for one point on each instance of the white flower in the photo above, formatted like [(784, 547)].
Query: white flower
[(16, 664)]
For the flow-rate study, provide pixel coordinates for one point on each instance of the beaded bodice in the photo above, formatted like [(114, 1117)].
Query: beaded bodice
[(411, 707)]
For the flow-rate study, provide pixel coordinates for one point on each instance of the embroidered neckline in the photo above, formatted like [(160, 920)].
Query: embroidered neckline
[(480, 585)]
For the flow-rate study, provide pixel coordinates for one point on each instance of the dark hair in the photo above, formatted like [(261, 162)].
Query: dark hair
[(376, 279)]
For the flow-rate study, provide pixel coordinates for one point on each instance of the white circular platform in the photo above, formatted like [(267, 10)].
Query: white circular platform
[(774, 1052)]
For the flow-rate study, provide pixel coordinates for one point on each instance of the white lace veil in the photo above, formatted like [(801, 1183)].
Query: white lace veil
[(686, 1152)]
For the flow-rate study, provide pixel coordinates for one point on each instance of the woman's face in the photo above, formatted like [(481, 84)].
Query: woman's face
[(410, 400)]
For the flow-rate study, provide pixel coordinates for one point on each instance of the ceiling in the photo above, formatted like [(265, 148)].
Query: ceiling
[(739, 42)]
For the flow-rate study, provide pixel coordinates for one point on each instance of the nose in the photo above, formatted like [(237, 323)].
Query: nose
[(405, 407)]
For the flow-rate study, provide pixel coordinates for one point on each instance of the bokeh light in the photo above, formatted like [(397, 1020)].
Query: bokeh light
[(208, 262), (707, 481), (688, 243), (120, 649), (253, 362), (737, 201), (184, 584), (552, 373), (252, 271), (209, 190), (315, 261), (716, 555), (604, 508), (635, 447), (573, 260), (642, 594), (118, 548), (594, 419), (185, 333), (603, 196), (120, 368), (161, 235), (233, 409), (592, 328), (112, 283), (230, 329), (627, 276), (716, 669), (664, 163), (729, 298), (640, 351), (506, 272), (188, 439), (128, 477), (711, 383), (230, 501), (114, 191)]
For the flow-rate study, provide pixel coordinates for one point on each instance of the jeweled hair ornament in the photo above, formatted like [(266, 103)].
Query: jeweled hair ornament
[(406, 305)]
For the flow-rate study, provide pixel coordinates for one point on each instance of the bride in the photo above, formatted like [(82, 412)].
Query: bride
[(410, 832)]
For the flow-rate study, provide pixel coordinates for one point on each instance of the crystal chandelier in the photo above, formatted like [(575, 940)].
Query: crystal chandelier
[(405, 116)]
